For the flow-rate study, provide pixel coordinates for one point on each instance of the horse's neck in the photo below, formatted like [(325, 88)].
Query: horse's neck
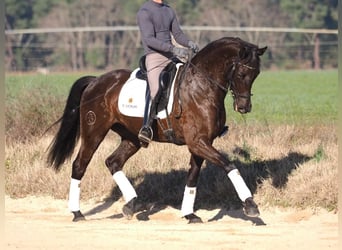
[(215, 63), (201, 86), (214, 74)]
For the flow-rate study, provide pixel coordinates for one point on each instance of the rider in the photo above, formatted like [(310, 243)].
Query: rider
[(156, 22)]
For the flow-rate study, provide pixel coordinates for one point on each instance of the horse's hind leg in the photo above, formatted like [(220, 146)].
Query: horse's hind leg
[(189, 197), (79, 166), (115, 163)]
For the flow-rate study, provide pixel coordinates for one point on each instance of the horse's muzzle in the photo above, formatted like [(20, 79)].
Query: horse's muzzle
[(243, 106)]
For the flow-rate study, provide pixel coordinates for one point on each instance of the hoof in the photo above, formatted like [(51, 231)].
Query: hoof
[(193, 218), (250, 208), (78, 216), (128, 209)]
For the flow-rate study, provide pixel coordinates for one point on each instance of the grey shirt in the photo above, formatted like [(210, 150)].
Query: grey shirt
[(156, 23)]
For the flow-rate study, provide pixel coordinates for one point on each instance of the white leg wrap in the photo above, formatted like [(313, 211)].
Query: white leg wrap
[(74, 195), (239, 185), (125, 186), (188, 200)]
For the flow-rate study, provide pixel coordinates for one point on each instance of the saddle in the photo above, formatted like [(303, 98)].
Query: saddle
[(165, 81)]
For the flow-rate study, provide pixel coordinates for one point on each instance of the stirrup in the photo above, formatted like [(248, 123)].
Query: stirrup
[(145, 135)]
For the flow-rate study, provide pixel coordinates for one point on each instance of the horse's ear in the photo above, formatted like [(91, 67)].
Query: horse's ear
[(261, 51)]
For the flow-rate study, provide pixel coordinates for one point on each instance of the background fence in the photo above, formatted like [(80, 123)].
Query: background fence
[(105, 48)]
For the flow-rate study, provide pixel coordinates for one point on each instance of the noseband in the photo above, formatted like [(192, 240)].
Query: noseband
[(230, 80)]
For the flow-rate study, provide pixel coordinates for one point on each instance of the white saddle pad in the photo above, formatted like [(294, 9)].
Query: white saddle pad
[(132, 97)]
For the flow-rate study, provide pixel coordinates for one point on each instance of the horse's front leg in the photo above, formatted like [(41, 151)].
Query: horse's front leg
[(189, 197), (204, 149)]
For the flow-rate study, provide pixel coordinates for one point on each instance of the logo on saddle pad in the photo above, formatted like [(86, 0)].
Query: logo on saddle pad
[(132, 97)]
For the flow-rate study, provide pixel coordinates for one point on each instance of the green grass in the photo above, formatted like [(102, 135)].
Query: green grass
[(58, 83), (283, 97), (292, 97)]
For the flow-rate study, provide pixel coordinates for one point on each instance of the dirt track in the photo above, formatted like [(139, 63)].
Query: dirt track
[(45, 223)]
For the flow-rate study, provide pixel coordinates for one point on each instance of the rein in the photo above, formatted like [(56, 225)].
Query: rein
[(230, 79)]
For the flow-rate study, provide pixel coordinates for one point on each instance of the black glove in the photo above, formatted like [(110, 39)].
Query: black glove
[(180, 52), (193, 46)]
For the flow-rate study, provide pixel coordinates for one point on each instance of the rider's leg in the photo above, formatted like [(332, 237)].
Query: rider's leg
[(155, 63)]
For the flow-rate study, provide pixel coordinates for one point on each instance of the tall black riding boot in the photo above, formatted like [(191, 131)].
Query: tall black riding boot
[(146, 133)]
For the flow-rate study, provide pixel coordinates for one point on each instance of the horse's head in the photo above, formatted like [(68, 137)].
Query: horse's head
[(243, 71), (229, 64)]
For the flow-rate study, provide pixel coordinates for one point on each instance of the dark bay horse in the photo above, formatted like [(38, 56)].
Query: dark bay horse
[(198, 116)]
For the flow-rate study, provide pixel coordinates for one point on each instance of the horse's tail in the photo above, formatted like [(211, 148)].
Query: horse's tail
[(64, 142)]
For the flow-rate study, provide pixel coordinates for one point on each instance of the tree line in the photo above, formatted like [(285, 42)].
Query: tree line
[(104, 50)]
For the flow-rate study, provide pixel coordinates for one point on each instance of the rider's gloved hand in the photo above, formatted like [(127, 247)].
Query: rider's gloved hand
[(180, 52), (193, 46)]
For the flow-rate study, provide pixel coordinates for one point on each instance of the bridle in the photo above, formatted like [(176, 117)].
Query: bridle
[(231, 82), (225, 89)]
